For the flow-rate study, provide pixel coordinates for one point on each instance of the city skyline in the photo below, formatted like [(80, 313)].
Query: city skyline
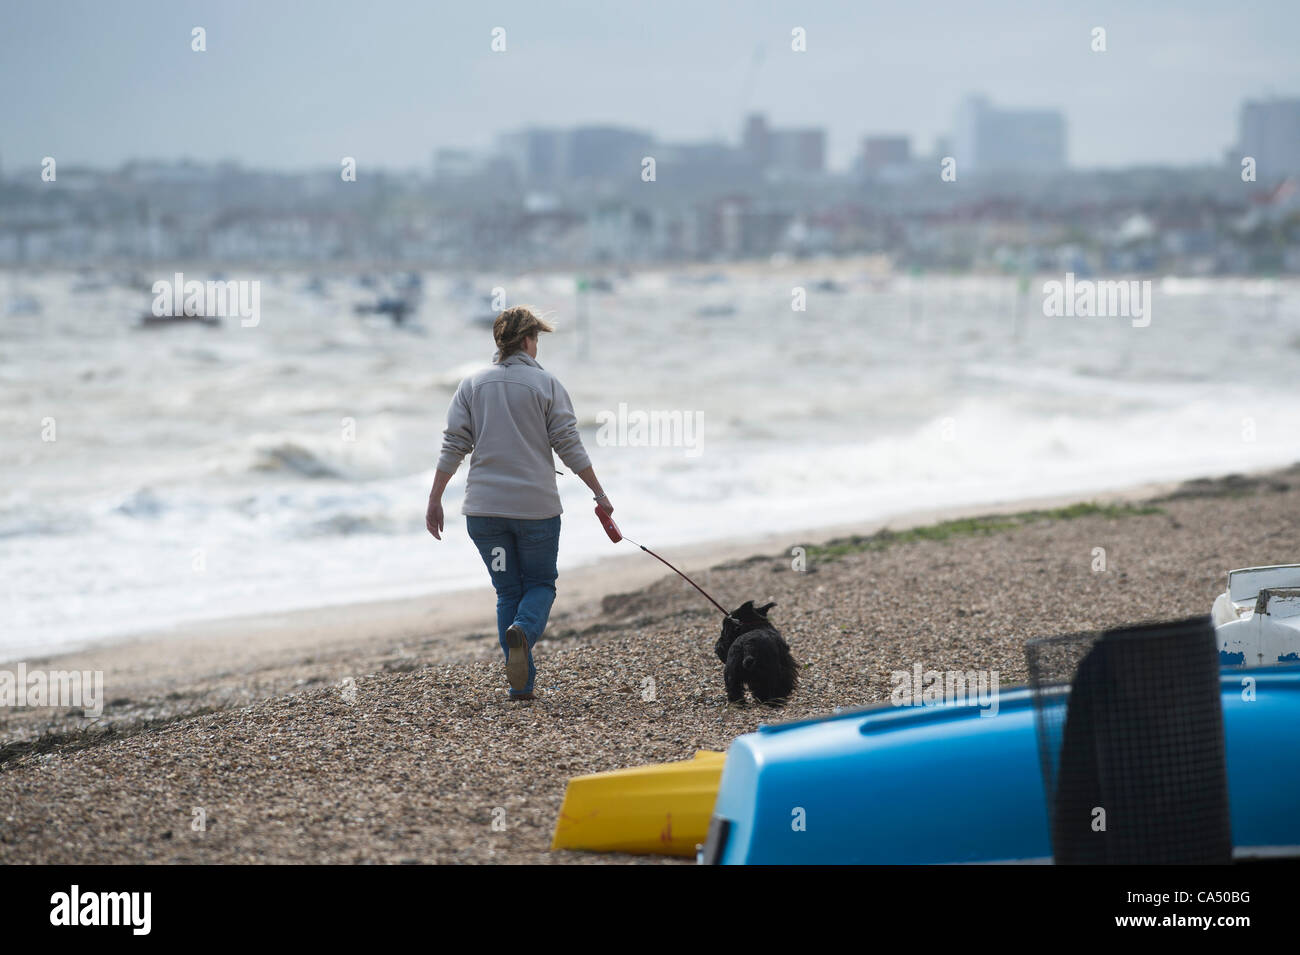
[(396, 85)]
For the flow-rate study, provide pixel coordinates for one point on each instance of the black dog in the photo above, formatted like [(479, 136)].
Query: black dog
[(755, 655)]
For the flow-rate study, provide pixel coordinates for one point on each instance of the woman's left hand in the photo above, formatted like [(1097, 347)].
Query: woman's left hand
[(433, 519)]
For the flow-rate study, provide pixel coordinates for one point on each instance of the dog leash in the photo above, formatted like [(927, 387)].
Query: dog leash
[(607, 522)]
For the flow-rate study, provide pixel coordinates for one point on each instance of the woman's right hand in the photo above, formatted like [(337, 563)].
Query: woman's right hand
[(433, 519), (433, 516), (606, 506)]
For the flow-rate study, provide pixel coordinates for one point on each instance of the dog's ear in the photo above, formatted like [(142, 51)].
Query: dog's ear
[(740, 611), (764, 610)]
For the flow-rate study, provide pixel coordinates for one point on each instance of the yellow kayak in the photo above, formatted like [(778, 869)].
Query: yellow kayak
[(662, 809)]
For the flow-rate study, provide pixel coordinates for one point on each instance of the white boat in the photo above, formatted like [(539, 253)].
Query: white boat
[(1257, 619)]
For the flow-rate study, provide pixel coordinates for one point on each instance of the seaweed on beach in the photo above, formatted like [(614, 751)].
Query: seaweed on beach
[(91, 735), (973, 527), (1235, 485)]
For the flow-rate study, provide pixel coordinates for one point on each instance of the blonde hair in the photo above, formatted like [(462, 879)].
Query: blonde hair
[(514, 325)]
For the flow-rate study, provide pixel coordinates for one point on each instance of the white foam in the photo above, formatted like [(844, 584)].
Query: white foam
[(200, 472)]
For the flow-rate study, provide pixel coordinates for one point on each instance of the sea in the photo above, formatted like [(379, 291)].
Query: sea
[(155, 476)]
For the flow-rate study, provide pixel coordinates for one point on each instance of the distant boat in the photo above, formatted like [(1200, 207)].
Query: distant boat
[(708, 278), (828, 285), (88, 282), (150, 320), (315, 286), (461, 288), (23, 305), (715, 311), (135, 281), (395, 308)]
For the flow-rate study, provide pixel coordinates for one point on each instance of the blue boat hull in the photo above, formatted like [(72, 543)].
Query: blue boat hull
[(943, 784)]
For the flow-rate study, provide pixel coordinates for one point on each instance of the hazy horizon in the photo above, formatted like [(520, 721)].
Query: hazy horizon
[(283, 88)]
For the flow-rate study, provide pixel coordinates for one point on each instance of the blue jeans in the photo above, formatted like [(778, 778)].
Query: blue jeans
[(520, 556)]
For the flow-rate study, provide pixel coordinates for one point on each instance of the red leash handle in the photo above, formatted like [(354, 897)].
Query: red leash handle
[(607, 522)]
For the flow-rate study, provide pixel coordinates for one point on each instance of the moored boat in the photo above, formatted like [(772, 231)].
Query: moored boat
[(944, 784)]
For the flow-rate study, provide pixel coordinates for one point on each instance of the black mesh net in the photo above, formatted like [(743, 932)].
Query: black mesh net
[(1130, 733)]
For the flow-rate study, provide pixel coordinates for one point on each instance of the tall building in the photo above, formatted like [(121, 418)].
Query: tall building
[(787, 151), (703, 163), (1269, 132), (885, 152), (754, 140), (539, 156), (606, 152), (988, 139), (543, 157), (797, 151)]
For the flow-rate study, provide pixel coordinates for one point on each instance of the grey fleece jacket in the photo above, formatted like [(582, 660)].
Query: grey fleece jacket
[(511, 415)]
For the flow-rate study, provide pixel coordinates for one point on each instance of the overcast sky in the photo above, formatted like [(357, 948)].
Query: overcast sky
[(290, 85)]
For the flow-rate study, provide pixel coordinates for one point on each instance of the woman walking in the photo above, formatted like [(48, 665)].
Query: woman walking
[(512, 415)]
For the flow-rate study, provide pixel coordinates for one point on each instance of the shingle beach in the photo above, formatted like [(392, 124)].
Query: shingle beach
[(405, 750)]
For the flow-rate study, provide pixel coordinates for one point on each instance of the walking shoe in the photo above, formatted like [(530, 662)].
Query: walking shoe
[(517, 658)]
